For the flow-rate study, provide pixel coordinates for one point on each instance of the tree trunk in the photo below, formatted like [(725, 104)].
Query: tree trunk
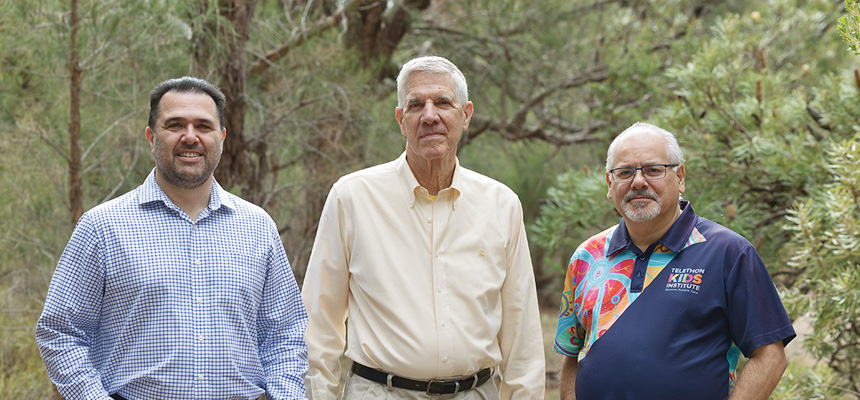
[(235, 167), (76, 191), (376, 36)]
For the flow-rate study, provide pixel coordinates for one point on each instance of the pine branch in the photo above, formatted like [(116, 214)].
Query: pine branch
[(849, 26)]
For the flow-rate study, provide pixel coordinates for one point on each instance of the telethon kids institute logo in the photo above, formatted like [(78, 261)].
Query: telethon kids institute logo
[(685, 280)]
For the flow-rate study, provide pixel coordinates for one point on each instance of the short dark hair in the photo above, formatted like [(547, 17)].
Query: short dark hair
[(186, 84)]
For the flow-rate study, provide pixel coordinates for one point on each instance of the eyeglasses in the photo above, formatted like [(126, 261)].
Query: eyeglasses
[(651, 172)]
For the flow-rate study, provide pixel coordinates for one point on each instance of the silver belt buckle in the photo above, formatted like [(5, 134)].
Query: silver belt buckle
[(432, 381)]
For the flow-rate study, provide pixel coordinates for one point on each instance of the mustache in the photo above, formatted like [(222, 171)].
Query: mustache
[(641, 193), (192, 148)]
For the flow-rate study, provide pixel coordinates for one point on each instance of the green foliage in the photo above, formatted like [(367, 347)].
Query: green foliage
[(758, 105), (689, 65), (837, 97), (800, 382), (825, 243), (826, 255), (123, 48), (742, 117), (849, 26), (573, 208), (530, 49), (738, 104), (22, 374)]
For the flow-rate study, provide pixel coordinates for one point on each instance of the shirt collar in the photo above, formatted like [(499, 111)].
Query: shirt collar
[(151, 192), (411, 186), (674, 239)]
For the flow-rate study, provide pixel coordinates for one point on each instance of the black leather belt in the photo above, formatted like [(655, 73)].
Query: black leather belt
[(431, 387)]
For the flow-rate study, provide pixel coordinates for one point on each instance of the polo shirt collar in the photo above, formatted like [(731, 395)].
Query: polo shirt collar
[(410, 184), (674, 239)]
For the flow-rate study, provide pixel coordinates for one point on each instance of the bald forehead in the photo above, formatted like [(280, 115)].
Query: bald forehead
[(641, 133), (640, 136), (640, 145)]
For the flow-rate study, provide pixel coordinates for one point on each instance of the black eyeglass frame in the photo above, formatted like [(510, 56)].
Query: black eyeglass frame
[(642, 168)]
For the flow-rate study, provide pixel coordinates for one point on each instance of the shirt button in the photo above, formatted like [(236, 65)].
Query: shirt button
[(200, 377), (445, 359), (429, 220), (197, 263), (201, 338), (199, 300), (444, 324), (194, 228)]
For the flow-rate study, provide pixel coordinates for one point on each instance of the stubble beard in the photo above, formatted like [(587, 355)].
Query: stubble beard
[(185, 180)]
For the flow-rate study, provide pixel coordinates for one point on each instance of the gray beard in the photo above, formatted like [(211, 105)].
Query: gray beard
[(640, 213)]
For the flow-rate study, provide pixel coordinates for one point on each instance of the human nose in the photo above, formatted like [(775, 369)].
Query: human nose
[(639, 178), (429, 114), (190, 135)]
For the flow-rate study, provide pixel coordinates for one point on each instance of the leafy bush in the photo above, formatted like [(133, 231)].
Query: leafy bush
[(826, 253)]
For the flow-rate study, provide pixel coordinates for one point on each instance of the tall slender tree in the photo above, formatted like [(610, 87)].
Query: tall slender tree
[(76, 191)]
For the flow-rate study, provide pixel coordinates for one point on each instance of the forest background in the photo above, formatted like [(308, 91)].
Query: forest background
[(762, 94)]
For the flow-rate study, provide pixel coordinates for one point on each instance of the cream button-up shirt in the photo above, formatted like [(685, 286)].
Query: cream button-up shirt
[(432, 288)]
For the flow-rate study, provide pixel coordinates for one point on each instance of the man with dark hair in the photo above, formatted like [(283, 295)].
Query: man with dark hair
[(662, 305), (430, 262), (177, 289), (185, 85)]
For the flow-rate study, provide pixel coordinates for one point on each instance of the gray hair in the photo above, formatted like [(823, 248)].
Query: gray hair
[(432, 64), (673, 149)]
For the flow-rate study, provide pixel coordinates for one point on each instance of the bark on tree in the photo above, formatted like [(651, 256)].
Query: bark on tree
[(76, 192), (235, 168), (376, 35)]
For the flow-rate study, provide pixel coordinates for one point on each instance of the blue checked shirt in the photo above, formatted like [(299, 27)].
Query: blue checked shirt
[(149, 304)]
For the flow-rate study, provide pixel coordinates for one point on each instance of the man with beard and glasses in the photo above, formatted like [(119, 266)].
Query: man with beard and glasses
[(177, 289), (661, 305)]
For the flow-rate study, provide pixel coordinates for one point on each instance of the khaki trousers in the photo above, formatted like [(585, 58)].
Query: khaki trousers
[(358, 388)]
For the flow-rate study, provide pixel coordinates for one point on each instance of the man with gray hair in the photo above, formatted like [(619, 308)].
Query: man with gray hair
[(430, 263), (661, 305)]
